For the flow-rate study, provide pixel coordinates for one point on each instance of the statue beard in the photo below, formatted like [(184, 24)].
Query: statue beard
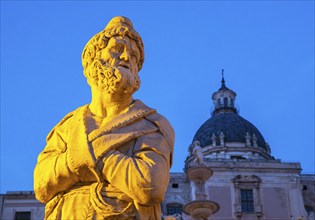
[(112, 79)]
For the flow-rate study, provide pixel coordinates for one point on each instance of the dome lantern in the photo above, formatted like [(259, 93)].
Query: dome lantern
[(224, 99)]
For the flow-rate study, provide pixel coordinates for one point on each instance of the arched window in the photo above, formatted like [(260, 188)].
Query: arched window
[(218, 103), (225, 100), (174, 208)]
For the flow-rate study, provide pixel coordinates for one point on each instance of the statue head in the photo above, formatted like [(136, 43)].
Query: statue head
[(113, 57)]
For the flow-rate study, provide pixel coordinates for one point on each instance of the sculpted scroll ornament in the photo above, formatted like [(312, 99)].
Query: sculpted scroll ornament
[(109, 159)]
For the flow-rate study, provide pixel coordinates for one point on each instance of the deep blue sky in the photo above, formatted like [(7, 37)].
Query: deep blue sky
[(265, 47)]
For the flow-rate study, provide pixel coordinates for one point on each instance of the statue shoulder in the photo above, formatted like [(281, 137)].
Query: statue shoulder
[(62, 125), (164, 126)]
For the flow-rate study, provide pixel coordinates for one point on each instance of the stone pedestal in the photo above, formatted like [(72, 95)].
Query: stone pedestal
[(201, 207)]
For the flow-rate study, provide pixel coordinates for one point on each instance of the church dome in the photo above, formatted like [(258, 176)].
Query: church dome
[(233, 126), (227, 135)]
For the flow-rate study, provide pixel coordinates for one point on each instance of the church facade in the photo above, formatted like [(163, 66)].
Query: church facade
[(247, 182), (243, 180)]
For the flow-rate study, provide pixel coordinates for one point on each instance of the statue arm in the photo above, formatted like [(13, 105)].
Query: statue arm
[(52, 174), (144, 176)]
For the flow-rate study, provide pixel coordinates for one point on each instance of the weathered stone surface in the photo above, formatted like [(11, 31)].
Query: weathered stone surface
[(308, 192), (109, 159)]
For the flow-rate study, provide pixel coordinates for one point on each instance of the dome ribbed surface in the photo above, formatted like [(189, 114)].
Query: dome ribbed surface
[(233, 126)]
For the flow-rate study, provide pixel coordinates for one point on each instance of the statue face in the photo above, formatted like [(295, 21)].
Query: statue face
[(122, 53), (116, 68)]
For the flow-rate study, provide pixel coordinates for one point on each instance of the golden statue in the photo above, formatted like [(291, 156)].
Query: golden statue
[(109, 159)]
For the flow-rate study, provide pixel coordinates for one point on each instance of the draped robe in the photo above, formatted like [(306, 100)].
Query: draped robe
[(117, 171)]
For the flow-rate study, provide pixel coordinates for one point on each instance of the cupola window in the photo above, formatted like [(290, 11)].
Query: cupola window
[(218, 103), (225, 102)]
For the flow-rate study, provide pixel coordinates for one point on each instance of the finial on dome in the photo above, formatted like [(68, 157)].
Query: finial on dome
[(223, 81)]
